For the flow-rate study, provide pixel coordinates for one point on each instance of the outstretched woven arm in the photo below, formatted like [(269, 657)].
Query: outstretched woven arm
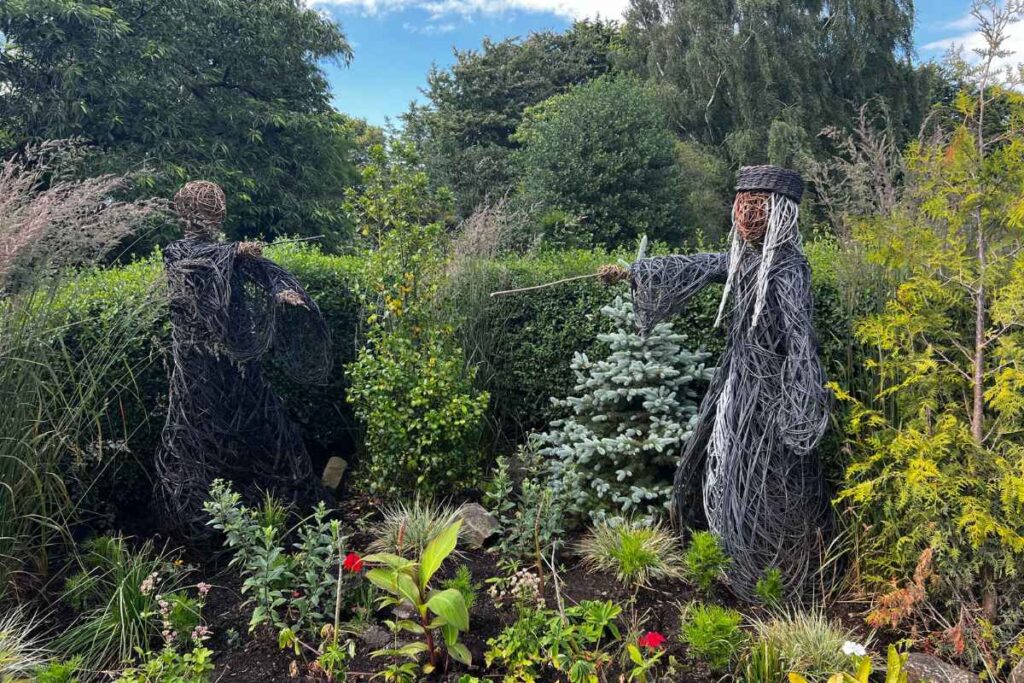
[(662, 285), (804, 411)]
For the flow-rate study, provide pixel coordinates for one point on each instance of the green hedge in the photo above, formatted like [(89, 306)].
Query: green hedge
[(522, 344)]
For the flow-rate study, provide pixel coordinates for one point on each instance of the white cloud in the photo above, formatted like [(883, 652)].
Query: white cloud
[(969, 41), (570, 9), (430, 29)]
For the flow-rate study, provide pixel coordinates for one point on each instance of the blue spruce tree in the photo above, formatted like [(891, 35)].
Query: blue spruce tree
[(615, 454)]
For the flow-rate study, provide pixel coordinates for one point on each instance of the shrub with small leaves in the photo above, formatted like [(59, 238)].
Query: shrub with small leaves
[(713, 634), (410, 384), (705, 560), (291, 591)]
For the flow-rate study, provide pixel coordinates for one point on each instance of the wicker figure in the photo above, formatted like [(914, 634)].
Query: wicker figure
[(229, 306), (750, 467)]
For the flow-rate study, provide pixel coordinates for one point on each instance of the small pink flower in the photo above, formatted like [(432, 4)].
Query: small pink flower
[(203, 588)]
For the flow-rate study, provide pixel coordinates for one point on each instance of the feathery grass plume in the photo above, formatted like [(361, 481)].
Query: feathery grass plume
[(635, 552), (50, 220)]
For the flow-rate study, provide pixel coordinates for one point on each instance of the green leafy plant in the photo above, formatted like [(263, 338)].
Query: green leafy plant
[(634, 551), (407, 584), (603, 150), (713, 634), (807, 643), (573, 643), (705, 560), (895, 670), (118, 592), (170, 665), (769, 588), (405, 529), (645, 655), (59, 672), (762, 663), (532, 518), (462, 581), (292, 591), (410, 385)]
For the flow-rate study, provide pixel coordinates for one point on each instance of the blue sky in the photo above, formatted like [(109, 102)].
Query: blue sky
[(396, 41)]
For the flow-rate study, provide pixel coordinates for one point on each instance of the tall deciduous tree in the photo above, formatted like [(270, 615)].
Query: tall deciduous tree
[(475, 106), (228, 90), (765, 77)]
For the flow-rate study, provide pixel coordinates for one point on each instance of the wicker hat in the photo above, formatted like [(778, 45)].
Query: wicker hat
[(771, 179)]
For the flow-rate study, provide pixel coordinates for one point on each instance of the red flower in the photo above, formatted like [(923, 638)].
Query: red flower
[(353, 563), (652, 640)]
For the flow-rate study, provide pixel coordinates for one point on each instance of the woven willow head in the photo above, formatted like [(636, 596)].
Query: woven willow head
[(202, 206)]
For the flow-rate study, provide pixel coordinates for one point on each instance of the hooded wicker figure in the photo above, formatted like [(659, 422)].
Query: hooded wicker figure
[(752, 453), (229, 307)]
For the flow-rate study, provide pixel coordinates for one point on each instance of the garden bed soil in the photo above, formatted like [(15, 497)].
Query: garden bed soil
[(257, 658)]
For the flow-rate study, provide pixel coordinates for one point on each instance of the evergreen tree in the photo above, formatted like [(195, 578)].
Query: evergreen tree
[(598, 166), (616, 453), (475, 106)]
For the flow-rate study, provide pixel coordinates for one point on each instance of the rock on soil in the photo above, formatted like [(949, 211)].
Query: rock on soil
[(478, 525), (922, 668)]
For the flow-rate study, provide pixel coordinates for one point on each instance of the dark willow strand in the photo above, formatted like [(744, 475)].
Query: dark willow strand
[(224, 419)]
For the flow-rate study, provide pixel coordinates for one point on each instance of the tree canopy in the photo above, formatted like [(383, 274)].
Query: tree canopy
[(226, 90), (764, 78), (603, 156), (475, 106)]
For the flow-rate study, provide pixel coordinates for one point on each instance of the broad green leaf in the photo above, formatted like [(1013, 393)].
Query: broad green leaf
[(389, 559), (410, 626), (383, 579), (450, 606), (413, 649), (408, 590), (460, 653), (439, 548), (864, 670)]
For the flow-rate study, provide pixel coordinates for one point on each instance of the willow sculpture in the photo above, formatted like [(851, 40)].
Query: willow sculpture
[(229, 307), (750, 467)]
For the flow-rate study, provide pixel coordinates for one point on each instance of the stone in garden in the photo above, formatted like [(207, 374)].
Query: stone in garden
[(478, 525), (922, 668), (334, 472), (1017, 675), (375, 637)]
